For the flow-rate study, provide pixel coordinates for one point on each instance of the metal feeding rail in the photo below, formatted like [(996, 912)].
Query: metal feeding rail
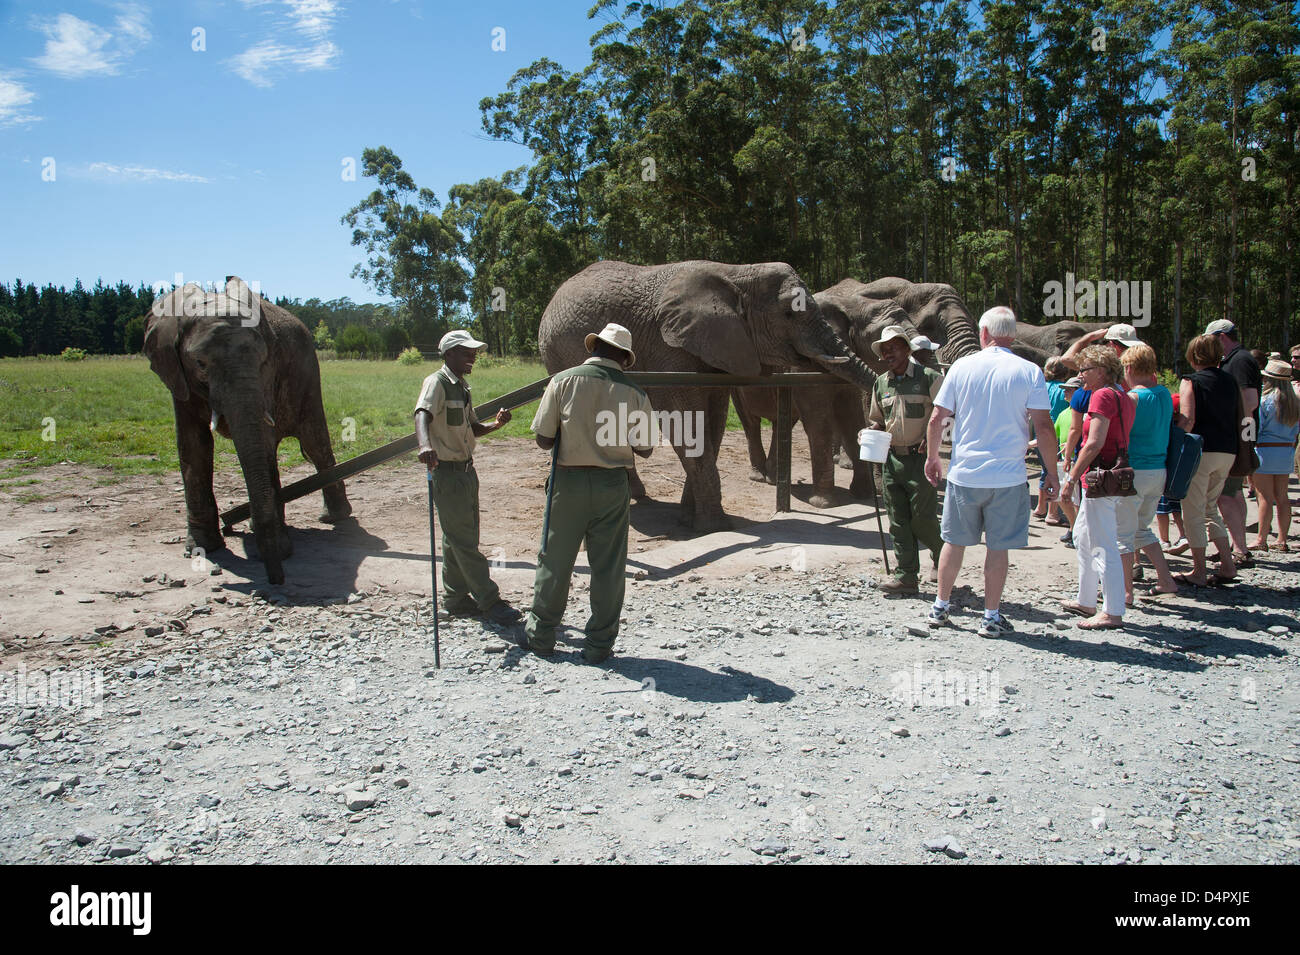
[(515, 399)]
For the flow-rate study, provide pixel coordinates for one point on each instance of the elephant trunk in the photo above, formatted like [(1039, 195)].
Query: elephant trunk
[(253, 444), (832, 353), (962, 337)]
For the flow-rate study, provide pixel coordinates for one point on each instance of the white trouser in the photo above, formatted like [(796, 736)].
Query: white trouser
[(1096, 542)]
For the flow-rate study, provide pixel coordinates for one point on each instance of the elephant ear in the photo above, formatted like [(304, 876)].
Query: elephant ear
[(162, 345), (705, 313)]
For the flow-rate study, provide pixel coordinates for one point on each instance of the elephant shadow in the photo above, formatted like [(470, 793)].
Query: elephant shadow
[(322, 570)]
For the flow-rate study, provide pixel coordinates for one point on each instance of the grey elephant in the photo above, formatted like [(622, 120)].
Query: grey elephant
[(244, 368), (1037, 343), (830, 414), (933, 309), (699, 316)]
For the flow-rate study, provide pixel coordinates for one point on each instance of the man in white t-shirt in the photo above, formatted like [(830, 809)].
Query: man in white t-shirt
[(987, 397)]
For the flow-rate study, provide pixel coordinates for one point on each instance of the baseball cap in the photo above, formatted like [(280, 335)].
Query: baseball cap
[(1075, 382), (888, 334), (459, 339), (921, 341), (1219, 326), (1124, 334)]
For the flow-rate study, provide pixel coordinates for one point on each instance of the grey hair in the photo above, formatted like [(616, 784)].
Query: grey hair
[(999, 322)]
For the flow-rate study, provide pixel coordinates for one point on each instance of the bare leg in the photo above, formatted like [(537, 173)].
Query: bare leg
[(1165, 580), (1281, 493), (1264, 495), (1232, 508), (996, 563), (1162, 524), (950, 559), (1127, 560)]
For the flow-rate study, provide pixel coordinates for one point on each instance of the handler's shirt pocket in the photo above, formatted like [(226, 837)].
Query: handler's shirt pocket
[(455, 414)]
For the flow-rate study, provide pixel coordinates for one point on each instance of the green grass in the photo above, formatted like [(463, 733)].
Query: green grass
[(115, 413)]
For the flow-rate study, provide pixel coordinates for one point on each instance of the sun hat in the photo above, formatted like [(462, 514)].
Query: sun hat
[(888, 334), (1279, 369), (616, 335)]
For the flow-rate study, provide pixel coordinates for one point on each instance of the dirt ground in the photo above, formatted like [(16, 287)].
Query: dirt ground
[(765, 704), (77, 560)]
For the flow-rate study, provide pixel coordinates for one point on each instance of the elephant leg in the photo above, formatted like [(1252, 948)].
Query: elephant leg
[(849, 420), (194, 448), (282, 541), (314, 439), (815, 408), (702, 494), (753, 426)]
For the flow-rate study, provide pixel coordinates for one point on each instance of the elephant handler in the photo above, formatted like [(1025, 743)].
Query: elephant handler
[(446, 429), (901, 403), (599, 419)]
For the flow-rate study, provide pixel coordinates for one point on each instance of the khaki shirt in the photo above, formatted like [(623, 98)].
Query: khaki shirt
[(902, 404), (451, 414), (599, 416)]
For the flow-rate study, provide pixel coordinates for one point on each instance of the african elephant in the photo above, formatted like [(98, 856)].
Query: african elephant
[(1037, 343), (932, 309), (699, 316), (829, 413), (246, 369)]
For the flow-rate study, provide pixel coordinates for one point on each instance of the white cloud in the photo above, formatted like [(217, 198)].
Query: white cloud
[(108, 172), (14, 98), (75, 47), (282, 52)]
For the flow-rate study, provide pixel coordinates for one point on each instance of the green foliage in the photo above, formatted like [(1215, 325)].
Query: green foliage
[(322, 336), (72, 354), (133, 336), (410, 356), (353, 341)]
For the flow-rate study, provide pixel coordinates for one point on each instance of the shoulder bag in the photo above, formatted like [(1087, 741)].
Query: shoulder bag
[(1116, 480)]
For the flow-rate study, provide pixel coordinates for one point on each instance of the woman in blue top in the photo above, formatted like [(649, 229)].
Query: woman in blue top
[(1279, 422), (1148, 442)]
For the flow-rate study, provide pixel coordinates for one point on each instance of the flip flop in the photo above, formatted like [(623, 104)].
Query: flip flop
[(1186, 581), (1056, 523), (1077, 609)]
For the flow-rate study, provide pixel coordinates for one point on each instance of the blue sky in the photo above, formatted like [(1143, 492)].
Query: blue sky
[(228, 160)]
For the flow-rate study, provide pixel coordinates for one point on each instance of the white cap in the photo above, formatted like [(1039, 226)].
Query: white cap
[(888, 334), (920, 342), (1124, 334), (1219, 326), (616, 335), (459, 339)]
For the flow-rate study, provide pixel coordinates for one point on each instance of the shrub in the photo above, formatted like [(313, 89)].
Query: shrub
[(327, 354), (72, 354), (410, 356)]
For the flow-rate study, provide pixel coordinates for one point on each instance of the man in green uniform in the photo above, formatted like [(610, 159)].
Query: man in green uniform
[(446, 429), (901, 403), (599, 419)]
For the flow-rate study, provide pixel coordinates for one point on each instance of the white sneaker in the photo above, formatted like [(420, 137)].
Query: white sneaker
[(1178, 546)]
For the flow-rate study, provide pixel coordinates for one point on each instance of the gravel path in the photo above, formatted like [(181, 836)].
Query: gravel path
[(776, 717)]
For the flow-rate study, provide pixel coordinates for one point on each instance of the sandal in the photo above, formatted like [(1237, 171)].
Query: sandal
[(1078, 609), (1186, 581), (1243, 560), (1056, 522)]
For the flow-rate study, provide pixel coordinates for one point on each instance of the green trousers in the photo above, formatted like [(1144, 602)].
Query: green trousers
[(465, 576), (912, 503), (592, 506)]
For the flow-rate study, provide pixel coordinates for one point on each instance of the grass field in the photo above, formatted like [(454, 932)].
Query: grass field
[(115, 413)]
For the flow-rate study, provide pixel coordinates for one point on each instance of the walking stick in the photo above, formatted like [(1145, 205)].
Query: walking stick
[(880, 528), (550, 493), (433, 568)]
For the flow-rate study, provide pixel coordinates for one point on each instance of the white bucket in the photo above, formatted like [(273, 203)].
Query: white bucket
[(873, 445)]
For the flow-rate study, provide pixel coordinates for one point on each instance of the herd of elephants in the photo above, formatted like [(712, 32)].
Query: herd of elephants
[(258, 381)]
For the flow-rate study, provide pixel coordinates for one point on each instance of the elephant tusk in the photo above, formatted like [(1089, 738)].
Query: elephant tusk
[(212, 425), (832, 359), (269, 419)]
